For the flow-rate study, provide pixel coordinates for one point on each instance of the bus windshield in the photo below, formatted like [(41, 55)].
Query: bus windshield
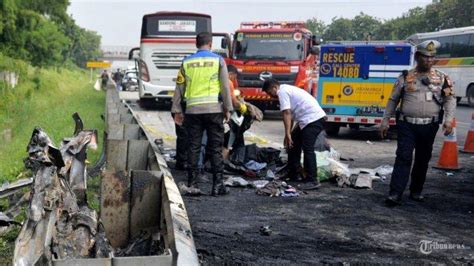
[(269, 46), (169, 25)]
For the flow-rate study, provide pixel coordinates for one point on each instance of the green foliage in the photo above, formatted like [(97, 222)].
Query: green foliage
[(436, 16), (93, 192), (4, 205), (45, 98), (317, 26), (339, 29), (41, 32)]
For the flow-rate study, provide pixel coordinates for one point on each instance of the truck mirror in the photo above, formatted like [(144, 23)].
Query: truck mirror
[(224, 43), (314, 50), (316, 40), (134, 54)]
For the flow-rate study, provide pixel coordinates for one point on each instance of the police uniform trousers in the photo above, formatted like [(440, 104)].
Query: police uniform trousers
[(412, 137), (195, 125), (181, 144)]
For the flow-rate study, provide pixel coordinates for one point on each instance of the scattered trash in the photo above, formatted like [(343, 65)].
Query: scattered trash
[(364, 181), (188, 191), (384, 170), (270, 175), (255, 166), (260, 183), (265, 230), (144, 244), (369, 142), (277, 188), (289, 192), (346, 181), (449, 173), (236, 181)]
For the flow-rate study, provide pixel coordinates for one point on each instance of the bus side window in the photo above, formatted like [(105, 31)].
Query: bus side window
[(460, 46), (470, 46), (446, 46)]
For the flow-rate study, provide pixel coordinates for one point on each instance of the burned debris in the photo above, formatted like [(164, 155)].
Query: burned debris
[(59, 224)]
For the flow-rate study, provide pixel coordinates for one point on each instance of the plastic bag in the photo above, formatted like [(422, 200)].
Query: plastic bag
[(321, 143), (323, 171), (97, 85), (384, 170), (338, 168)]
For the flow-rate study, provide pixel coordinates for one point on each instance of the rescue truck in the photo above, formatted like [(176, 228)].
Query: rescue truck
[(285, 51), (356, 80)]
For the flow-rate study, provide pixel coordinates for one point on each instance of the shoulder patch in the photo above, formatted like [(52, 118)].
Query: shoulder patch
[(410, 77), (397, 83), (448, 81), (180, 79)]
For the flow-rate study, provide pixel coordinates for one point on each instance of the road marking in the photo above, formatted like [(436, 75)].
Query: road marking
[(158, 133)]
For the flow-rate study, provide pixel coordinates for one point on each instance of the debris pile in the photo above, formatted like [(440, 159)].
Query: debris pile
[(265, 169), (59, 223)]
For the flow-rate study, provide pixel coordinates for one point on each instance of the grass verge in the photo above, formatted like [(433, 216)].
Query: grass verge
[(44, 98), (47, 99)]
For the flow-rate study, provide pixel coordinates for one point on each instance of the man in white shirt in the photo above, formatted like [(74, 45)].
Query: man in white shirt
[(299, 108)]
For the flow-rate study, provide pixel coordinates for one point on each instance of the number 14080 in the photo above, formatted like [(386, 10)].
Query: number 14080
[(346, 71)]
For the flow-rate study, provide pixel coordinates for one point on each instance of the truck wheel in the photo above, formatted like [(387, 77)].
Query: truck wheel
[(470, 95), (332, 129)]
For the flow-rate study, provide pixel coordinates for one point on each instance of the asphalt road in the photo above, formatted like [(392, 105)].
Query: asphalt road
[(333, 224)]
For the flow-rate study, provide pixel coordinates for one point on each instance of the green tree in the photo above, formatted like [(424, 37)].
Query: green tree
[(339, 29), (365, 27), (41, 31), (316, 26), (439, 15)]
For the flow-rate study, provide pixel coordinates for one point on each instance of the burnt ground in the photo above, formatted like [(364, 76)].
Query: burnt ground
[(337, 225), (334, 225)]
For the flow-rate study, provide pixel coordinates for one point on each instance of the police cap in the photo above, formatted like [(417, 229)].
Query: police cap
[(428, 48)]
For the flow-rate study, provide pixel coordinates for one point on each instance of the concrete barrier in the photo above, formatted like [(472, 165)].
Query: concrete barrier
[(138, 192)]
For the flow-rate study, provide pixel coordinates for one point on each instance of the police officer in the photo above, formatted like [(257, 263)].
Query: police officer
[(204, 84), (424, 95)]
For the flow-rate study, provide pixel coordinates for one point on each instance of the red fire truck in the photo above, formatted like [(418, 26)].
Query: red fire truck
[(285, 51)]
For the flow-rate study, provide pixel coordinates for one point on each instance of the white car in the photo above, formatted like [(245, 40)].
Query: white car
[(130, 80)]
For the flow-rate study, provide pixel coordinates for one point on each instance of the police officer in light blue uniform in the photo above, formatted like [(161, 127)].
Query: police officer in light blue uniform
[(426, 100)]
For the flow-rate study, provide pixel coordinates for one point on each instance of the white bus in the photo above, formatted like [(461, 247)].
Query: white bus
[(166, 38), (455, 57)]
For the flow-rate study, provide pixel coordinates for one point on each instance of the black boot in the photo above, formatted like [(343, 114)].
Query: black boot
[(193, 187), (218, 187)]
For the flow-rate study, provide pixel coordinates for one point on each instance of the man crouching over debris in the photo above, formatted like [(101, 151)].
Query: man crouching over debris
[(302, 110)]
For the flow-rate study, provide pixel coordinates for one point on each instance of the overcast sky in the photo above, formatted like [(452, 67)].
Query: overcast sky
[(118, 21)]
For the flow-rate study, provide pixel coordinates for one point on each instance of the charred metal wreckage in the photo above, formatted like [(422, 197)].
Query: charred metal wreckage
[(59, 223), (142, 216)]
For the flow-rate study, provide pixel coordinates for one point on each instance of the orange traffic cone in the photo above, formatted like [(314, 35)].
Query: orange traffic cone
[(448, 158), (469, 143)]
